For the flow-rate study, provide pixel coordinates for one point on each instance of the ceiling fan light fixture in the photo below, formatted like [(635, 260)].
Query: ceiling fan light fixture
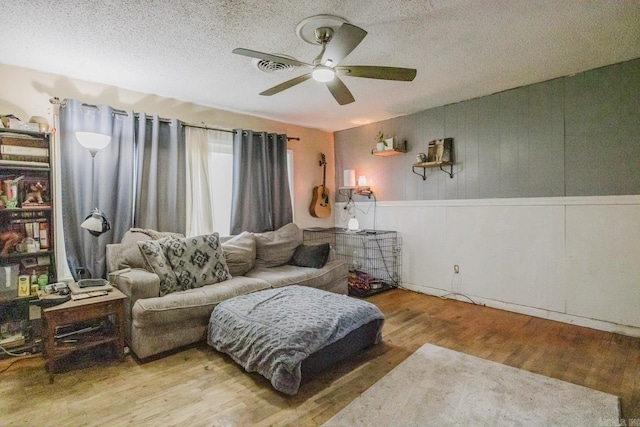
[(323, 74), (338, 39)]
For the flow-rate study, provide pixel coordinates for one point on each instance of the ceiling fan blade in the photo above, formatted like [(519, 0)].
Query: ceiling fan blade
[(340, 91), (345, 39), (286, 85), (373, 72), (270, 57)]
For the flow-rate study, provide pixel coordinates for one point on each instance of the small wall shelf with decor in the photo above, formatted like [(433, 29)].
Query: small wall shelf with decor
[(399, 148), (439, 155)]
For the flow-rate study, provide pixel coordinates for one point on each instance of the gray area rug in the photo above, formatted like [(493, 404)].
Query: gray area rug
[(440, 387)]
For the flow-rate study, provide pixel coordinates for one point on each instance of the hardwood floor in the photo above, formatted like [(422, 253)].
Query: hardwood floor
[(199, 387)]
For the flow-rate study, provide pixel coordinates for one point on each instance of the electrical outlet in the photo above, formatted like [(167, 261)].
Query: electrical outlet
[(456, 269)]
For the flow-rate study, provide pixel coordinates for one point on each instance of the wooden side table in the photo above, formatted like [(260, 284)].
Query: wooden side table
[(72, 312)]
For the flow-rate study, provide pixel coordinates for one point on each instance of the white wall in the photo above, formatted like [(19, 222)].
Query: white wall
[(572, 259)]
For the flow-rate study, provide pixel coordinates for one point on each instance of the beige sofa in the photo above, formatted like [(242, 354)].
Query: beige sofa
[(256, 261)]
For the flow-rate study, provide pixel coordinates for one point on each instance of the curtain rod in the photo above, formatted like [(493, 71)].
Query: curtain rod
[(203, 126), (56, 100)]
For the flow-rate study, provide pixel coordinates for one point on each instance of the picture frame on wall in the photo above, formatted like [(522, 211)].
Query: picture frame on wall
[(440, 151)]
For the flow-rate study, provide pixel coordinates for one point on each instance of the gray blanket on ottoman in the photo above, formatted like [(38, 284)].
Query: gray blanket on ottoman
[(272, 331)]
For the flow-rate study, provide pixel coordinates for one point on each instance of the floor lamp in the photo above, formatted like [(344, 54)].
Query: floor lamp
[(96, 222)]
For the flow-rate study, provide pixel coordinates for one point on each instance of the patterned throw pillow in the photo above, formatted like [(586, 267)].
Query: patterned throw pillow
[(153, 252), (197, 261)]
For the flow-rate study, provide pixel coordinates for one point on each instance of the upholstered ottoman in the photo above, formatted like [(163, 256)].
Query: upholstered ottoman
[(287, 333)]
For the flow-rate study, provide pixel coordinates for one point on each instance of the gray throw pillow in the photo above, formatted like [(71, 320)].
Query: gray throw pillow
[(197, 261), (240, 253), (153, 252), (276, 248), (314, 256)]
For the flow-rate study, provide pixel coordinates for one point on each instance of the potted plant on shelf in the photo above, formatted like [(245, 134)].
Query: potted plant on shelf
[(381, 144)]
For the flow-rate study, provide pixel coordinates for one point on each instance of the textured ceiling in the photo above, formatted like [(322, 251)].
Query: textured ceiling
[(182, 50)]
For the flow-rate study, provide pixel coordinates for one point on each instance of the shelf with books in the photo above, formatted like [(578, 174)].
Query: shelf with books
[(23, 148), (27, 223), (21, 165)]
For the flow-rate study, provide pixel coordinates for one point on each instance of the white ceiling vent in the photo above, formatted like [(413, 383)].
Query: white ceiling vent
[(273, 67)]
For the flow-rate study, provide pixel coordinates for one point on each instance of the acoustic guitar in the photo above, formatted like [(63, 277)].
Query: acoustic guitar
[(320, 207)]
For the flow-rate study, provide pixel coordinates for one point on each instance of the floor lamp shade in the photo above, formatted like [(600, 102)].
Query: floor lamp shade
[(92, 141), (96, 223)]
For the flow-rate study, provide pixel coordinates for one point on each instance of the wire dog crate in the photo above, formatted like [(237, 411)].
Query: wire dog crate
[(374, 256)]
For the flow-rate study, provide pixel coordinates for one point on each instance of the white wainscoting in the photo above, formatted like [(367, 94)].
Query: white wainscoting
[(571, 259)]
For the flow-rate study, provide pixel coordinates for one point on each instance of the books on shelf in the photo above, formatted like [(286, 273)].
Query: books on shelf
[(24, 154), (23, 150), (9, 138), (20, 150), (23, 163)]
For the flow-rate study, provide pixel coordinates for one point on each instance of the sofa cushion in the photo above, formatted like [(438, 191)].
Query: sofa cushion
[(285, 275), (193, 303), (153, 252), (196, 261), (132, 257), (314, 256), (275, 248), (121, 256), (240, 253), (134, 235)]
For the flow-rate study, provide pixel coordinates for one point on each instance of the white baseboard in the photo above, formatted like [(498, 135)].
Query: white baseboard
[(532, 311)]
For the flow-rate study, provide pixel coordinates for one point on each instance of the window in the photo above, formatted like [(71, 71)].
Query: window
[(220, 180)]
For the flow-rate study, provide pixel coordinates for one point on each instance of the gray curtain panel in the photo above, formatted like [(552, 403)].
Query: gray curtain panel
[(161, 175), (260, 198), (110, 190)]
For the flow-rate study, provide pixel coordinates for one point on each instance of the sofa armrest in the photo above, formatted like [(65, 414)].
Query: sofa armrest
[(137, 283), (113, 251)]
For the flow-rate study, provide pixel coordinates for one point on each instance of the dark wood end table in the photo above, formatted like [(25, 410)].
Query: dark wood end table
[(75, 311)]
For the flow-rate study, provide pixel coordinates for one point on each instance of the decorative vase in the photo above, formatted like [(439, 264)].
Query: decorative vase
[(380, 146)]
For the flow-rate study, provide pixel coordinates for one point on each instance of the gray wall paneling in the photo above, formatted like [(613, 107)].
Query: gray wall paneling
[(572, 136), (603, 131), (546, 140)]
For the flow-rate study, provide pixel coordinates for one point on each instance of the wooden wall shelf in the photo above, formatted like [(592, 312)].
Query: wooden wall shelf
[(401, 148), (447, 159), (427, 165)]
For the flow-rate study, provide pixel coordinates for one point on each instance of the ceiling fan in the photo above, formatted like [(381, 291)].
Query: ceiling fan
[(337, 42)]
